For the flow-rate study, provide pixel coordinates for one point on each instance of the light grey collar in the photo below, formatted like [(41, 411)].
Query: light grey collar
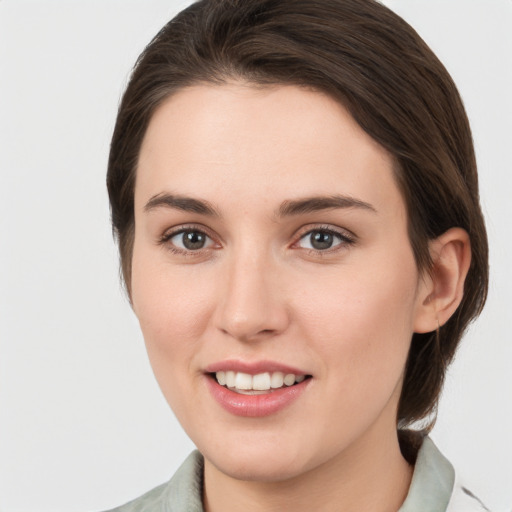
[(432, 481)]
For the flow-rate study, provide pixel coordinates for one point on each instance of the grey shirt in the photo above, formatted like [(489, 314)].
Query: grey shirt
[(433, 488)]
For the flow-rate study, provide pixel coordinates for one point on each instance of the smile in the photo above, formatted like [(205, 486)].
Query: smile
[(255, 389), (261, 383)]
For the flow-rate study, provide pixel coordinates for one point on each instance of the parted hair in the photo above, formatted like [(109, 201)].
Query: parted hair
[(370, 60)]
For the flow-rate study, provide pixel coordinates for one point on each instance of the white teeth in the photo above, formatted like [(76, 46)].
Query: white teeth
[(230, 379), (221, 378), (277, 380), (289, 379), (243, 381), (261, 382)]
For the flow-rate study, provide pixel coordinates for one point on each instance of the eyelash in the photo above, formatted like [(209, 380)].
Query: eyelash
[(345, 238), (190, 228)]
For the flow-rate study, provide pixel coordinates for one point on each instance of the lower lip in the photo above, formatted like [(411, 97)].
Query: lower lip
[(255, 406)]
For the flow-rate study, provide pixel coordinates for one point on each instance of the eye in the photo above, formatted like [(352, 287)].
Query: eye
[(322, 240), (189, 240)]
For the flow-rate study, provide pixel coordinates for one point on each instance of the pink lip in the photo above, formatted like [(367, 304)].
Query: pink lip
[(254, 405), (252, 368)]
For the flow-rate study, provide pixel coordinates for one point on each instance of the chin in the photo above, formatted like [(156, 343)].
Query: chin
[(260, 461), (262, 469)]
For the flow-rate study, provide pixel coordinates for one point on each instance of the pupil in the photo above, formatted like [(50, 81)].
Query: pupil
[(321, 240), (193, 240)]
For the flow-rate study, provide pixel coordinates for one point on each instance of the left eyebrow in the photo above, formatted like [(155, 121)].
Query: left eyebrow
[(183, 203), (318, 203)]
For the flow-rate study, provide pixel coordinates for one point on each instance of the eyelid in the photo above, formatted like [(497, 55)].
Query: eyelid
[(347, 237), (169, 233)]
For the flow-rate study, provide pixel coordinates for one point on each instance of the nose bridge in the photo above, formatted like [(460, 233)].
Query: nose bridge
[(252, 305)]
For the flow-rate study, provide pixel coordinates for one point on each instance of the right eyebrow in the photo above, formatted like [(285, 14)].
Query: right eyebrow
[(318, 203), (183, 203)]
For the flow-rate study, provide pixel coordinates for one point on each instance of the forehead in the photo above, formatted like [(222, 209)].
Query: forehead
[(260, 143)]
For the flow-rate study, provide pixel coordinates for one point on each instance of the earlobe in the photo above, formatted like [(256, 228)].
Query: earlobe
[(442, 288)]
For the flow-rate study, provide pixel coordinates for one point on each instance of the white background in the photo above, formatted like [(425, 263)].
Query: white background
[(83, 425)]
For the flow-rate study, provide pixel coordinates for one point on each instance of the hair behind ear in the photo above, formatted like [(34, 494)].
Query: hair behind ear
[(439, 326)]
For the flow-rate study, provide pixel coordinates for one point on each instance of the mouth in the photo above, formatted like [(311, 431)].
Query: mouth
[(258, 384), (255, 389)]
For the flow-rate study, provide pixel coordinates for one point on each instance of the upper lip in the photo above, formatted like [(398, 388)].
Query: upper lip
[(253, 367)]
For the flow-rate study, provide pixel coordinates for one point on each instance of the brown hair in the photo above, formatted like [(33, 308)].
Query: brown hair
[(376, 65)]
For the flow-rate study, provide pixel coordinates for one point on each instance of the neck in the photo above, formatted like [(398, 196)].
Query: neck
[(370, 476)]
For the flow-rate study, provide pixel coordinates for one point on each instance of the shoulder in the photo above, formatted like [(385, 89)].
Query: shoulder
[(151, 501), (182, 493)]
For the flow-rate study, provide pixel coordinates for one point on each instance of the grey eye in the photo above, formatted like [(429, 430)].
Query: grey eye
[(191, 240), (320, 240)]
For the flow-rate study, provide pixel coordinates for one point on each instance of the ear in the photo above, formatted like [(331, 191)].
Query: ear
[(442, 288)]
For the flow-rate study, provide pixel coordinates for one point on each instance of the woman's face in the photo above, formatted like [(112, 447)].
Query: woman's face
[(271, 240)]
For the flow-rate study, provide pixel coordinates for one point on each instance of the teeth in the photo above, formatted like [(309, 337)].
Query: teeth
[(244, 382), (277, 380), (289, 379), (230, 379), (221, 378), (261, 381)]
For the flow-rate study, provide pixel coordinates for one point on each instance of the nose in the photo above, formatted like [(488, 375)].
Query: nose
[(252, 305)]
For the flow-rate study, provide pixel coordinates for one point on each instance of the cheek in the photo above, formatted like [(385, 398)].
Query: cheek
[(361, 319), (172, 308)]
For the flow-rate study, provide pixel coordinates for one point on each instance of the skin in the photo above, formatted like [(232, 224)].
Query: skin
[(258, 291)]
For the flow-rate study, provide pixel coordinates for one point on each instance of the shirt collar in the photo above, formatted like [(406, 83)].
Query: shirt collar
[(432, 481)]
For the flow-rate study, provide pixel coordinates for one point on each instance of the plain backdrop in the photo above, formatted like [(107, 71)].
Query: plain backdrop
[(83, 425)]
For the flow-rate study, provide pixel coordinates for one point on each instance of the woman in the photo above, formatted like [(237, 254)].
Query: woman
[(294, 192)]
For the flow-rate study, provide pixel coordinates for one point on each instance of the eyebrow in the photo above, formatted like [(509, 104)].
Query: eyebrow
[(287, 208), (183, 203), (318, 203)]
